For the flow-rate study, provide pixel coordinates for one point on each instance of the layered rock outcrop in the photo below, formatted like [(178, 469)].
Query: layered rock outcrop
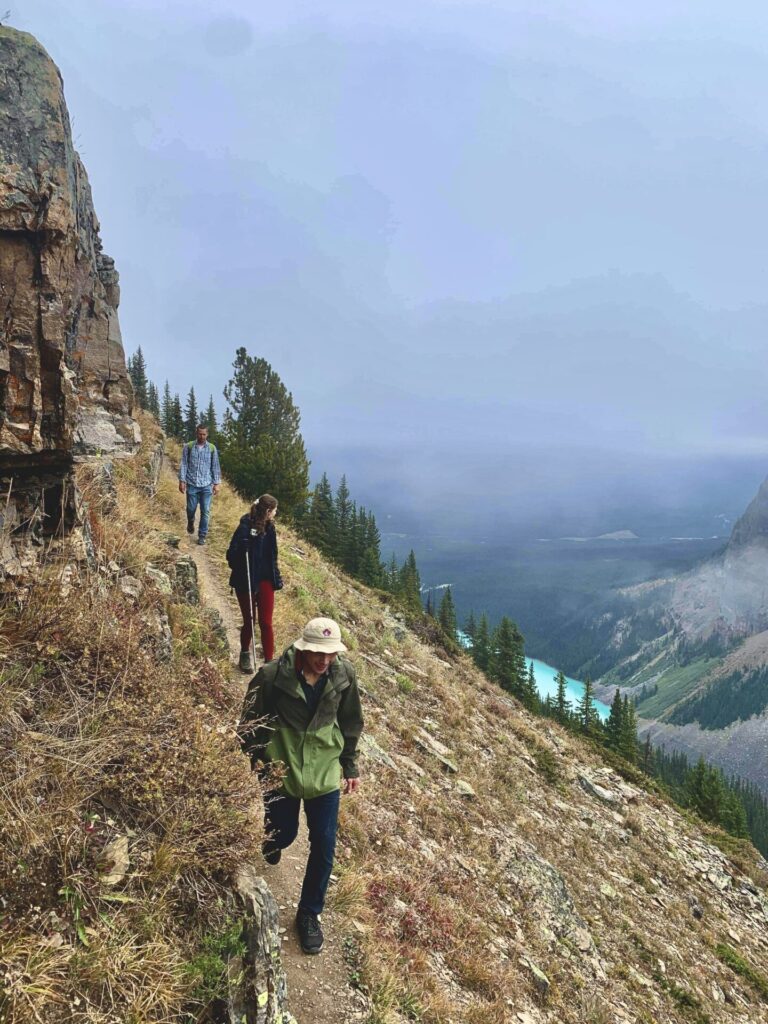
[(64, 390)]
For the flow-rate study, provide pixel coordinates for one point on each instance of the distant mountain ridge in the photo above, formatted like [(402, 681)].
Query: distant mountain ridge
[(752, 527), (693, 651)]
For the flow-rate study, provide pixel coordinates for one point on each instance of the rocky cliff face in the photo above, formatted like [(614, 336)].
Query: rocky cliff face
[(64, 390)]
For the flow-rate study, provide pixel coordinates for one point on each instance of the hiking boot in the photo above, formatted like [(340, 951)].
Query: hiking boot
[(201, 541), (245, 664), (271, 854), (310, 932), (190, 526)]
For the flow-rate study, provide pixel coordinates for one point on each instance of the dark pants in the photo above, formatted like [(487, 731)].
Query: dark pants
[(199, 496), (264, 605), (281, 823)]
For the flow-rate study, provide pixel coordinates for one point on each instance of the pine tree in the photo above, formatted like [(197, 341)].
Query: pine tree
[(531, 697), (358, 539), (371, 569), (586, 713), (614, 725), (507, 658), (628, 736), (521, 669), (704, 791), (430, 608), (481, 648), (261, 444), (410, 584), (191, 418), (647, 762), (446, 615), (733, 815), (342, 511), (166, 411), (470, 628), (319, 523), (177, 420), (209, 419), (393, 575), (562, 704), (137, 370), (153, 400)]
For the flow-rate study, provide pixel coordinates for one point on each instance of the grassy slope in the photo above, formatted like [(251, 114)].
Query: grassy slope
[(102, 739), (449, 899)]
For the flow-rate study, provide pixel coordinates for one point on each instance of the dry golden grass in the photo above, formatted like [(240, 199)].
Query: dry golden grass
[(102, 740)]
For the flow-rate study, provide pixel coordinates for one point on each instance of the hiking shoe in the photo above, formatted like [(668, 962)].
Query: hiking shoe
[(201, 541), (190, 526), (245, 664), (310, 932), (271, 854)]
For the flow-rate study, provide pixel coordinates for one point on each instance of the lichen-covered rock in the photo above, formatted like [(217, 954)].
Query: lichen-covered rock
[(64, 389), (217, 627), (545, 887), (185, 584), (160, 579), (153, 468), (257, 993)]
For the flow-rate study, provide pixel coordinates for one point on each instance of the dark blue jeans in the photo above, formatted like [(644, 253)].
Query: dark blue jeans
[(281, 822), (201, 496)]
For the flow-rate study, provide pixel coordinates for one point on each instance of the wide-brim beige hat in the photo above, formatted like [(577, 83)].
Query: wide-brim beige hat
[(322, 635)]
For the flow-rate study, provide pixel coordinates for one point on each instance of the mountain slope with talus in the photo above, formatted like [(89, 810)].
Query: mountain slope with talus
[(699, 668), (492, 868)]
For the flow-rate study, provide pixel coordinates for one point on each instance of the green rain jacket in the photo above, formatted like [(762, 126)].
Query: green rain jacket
[(315, 750)]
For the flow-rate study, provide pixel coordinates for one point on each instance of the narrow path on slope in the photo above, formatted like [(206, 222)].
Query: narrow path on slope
[(318, 986)]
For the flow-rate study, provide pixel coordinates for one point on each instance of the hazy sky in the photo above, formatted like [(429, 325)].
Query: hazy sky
[(474, 226)]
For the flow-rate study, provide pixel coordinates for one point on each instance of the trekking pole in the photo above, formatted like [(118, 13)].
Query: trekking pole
[(250, 610)]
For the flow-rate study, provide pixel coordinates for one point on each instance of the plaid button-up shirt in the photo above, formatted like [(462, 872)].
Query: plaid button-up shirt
[(200, 465)]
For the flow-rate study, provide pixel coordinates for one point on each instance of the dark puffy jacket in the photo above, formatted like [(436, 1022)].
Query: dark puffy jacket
[(261, 550)]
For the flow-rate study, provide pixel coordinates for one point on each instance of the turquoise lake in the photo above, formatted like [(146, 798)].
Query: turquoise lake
[(545, 684)]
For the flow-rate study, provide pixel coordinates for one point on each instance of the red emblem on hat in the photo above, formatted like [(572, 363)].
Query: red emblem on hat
[(326, 632)]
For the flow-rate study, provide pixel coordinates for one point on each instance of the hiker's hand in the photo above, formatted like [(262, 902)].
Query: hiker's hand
[(182, 486), (216, 488), (350, 786)]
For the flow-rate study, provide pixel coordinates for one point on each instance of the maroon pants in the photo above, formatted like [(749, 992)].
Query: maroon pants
[(263, 606)]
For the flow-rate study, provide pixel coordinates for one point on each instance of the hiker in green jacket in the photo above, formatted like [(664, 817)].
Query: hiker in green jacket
[(303, 711)]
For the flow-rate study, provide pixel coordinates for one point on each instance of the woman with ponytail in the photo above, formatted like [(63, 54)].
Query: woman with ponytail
[(255, 537)]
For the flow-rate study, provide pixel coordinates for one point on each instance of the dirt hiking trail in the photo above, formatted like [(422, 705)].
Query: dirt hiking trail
[(318, 986)]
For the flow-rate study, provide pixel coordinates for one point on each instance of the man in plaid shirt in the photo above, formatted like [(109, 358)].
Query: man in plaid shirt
[(199, 479)]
